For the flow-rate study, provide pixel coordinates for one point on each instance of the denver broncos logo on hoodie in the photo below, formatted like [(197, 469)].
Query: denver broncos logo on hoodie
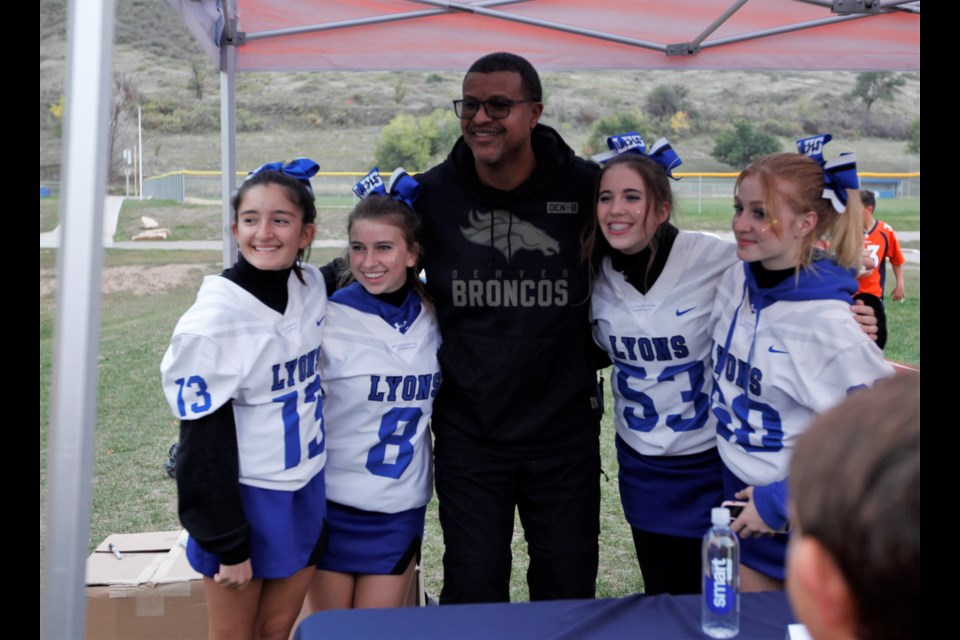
[(506, 234)]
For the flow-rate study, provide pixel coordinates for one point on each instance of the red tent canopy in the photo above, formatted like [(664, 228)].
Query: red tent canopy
[(560, 34)]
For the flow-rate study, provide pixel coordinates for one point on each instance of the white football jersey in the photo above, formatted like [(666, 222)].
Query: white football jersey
[(787, 364), (379, 386), (229, 345), (660, 347)]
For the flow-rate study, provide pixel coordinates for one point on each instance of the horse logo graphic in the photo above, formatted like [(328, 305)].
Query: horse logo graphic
[(507, 234)]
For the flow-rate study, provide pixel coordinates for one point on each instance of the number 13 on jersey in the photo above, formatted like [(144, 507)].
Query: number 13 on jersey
[(291, 423)]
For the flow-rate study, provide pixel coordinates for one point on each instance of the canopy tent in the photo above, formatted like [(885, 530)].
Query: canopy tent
[(297, 35), (558, 34), (272, 35)]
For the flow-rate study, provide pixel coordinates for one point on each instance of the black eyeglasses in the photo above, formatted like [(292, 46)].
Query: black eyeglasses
[(496, 108)]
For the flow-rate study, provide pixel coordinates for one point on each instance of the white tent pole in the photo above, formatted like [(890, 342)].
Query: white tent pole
[(228, 144), (77, 318), (140, 152)]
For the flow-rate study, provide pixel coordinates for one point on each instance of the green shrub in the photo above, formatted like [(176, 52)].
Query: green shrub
[(246, 121), (444, 128), (171, 117), (666, 100), (740, 144), (913, 145), (876, 85), (613, 125), (404, 144), (416, 143)]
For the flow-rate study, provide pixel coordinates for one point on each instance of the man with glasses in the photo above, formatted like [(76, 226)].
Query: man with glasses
[(516, 419)]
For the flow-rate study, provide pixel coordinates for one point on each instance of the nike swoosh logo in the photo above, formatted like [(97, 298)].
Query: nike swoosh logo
[(682, 312), (320, 321), (773, 349)]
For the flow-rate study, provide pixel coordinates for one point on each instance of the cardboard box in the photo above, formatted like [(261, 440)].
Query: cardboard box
[(151, 593)]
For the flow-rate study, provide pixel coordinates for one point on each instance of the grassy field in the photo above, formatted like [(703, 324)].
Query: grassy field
[(134, 426), (145, 293), (903, 319), (49, 213), (185, 221)]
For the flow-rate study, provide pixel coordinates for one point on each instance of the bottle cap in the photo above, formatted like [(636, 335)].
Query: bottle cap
[(720, 516)]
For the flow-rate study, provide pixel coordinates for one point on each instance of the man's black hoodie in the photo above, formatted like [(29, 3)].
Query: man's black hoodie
[(512, 298)]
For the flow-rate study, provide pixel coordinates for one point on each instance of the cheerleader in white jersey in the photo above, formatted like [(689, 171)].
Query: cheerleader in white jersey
[(650, 307), (380, 376), (785, 347), (241, 374)]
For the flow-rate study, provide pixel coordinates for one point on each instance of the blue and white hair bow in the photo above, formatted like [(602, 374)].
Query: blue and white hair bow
[(402, 187), (839, 174), (301, 169), (661, 152)]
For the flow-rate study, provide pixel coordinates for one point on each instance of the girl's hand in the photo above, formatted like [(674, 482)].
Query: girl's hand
[(866, 318), (749, 524), (234, 576)]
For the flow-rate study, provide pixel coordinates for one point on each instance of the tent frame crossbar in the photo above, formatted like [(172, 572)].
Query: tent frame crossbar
[(441, 7), (383, 19), (865, 6)]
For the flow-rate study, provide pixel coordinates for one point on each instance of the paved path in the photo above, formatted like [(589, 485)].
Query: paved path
[(111, 211), (213, 245)]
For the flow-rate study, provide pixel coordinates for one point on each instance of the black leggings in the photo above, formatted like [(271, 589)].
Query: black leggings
[(670, 564)]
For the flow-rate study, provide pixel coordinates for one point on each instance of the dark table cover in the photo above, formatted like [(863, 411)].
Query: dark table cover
[(762, 616)]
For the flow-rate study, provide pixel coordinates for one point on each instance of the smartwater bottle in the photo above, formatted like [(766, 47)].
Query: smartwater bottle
[(720, 607)]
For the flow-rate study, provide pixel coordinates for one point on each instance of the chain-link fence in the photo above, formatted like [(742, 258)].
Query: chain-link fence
[(205, 185), (334, 187)]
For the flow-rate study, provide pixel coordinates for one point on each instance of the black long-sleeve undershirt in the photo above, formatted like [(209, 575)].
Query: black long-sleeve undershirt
[(208, 492), (208, 464), (767, 278), (638, 269)]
